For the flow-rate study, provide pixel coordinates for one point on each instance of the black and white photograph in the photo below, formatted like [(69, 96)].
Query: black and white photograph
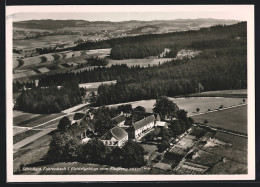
[(130, 92)]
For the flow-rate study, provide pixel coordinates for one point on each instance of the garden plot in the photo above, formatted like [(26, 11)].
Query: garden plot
[(43, 70), (190, 168), (228, 167), (205, 158), (185, 143), (225, 151)]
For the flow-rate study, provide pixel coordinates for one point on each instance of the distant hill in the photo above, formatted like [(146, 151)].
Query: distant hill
[(132, 26)]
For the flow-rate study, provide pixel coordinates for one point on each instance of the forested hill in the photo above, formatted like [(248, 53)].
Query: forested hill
[(222, 65)]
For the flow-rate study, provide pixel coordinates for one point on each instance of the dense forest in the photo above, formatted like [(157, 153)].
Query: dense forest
[(49, 100), (222, 65), (135, 51)]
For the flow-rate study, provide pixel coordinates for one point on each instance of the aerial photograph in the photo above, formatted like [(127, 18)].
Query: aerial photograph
[(129, 93)]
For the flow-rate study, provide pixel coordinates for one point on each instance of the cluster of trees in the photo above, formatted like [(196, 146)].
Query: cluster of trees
[(49, 100), (96, 61), (67, 147)]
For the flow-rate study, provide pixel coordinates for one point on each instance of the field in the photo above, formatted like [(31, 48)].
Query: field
[(95, 85), (46, 41), (54, 63), (233, 119), (222, 93), (190, 104), (140, 62)]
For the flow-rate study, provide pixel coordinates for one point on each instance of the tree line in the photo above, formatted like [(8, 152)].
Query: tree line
[(49, 100)]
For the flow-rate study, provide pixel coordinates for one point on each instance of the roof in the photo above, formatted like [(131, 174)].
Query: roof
[(163, 166), (119, 119), (144, 122), (160, 123), (116, 132)]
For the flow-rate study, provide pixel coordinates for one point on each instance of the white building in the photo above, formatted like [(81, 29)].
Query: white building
[(143, 125), (116, 137)]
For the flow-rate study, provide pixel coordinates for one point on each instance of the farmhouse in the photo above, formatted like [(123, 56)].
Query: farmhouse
[(115, 137), (143, 125), (120, 120)]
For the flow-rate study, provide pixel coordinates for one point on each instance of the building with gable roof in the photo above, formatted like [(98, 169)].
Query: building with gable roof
[(120, 120), (115, 137), (143, 125)]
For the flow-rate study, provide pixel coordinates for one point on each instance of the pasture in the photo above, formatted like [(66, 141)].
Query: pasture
[(233, 119)]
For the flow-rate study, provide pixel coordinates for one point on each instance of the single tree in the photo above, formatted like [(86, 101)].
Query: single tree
[(64, 124), (133, 155), (165, 108)]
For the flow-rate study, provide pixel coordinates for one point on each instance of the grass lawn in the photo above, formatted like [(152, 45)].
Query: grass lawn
[(233, 119)]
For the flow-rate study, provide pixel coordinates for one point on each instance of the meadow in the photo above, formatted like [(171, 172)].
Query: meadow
[(190, 104), (233, 119)]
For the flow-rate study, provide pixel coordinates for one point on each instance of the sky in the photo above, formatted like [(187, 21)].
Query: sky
[(124, 13)]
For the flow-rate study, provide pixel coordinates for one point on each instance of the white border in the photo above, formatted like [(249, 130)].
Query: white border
[(246, 10)]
